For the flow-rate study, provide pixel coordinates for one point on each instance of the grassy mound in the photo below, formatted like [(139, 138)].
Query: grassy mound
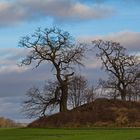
[(100, 113)]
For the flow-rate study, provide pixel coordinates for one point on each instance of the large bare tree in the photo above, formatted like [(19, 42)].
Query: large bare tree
[(58, 49), (123, 69)]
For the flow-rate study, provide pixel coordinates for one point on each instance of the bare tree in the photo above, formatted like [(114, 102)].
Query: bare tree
[(40, 101), (123, 69), (109, 88), (77, 90), (59, 49), (134, 91), (90, 94)]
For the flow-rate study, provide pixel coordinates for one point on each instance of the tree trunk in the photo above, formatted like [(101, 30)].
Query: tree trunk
[(123, 95), (63, 100)]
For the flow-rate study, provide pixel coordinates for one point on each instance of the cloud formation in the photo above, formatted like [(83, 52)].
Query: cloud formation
[(11, 108), (130, 40), (15, 80), (9, 60), (18, 11)]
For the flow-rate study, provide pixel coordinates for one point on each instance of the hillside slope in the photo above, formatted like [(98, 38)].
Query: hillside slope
[(101, 112)]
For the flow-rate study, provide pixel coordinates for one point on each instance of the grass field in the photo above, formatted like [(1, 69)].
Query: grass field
[(69, 134)]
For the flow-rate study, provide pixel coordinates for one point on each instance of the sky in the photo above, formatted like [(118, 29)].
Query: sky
[(85, 20)]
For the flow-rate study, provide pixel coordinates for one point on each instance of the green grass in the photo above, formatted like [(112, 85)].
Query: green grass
[(70, 134)]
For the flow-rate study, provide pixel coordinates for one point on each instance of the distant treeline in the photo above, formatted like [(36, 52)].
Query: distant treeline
[(4, 123)]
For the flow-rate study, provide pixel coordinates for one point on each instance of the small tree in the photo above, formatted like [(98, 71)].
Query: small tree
[(90, 94), (123, 69), (59, 49), (109, 88), (77, 90), (134, 91)]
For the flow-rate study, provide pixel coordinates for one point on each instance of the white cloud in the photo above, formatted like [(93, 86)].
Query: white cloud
[(11, 107), (62, 10), (94, 64), (11, 68), (128, 39), (15, 80), (9, 60)]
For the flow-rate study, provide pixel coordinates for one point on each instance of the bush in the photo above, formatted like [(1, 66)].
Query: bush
[(122, 117)]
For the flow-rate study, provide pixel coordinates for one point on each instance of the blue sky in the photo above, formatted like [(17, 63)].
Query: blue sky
[(121, 16), (85, 20)]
